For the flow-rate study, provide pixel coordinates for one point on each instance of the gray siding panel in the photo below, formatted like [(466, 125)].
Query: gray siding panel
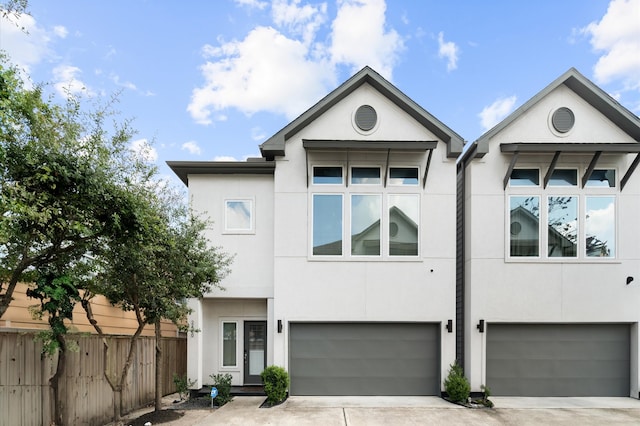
[(364, 359), (558, 359)]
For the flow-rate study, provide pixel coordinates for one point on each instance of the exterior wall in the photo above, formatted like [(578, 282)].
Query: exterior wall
[(503, 289), (252, 268), (111, 319), (310, 288), (248, 288)]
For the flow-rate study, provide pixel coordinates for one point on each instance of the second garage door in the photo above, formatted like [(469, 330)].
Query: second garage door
[(364, 358), (558, 359)]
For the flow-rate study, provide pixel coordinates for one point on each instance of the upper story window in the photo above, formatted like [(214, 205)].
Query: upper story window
[(323, 175), (367, 218), (525, 177), (563, 221), (403, 176), (238, 216), (365, 175)]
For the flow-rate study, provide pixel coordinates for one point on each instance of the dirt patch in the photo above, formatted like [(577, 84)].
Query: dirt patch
[(157, 417)]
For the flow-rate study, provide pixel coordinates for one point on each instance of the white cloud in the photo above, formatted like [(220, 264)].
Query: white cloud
[(252, 3), (27, 47), (60, 31), (224, 158), (617, 36), (143, 149), (67, 81), (261, 72), (304, 21), (448, 50), (126, 84), (359, 37), (257, 134), (285, 68), (494, 113), (192, 147)]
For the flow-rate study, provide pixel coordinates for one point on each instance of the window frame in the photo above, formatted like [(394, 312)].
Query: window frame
[(351, 189), (252, 224), (222, 344), (581, 194)]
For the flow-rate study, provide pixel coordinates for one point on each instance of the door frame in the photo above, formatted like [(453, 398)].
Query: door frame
[(250, 379)]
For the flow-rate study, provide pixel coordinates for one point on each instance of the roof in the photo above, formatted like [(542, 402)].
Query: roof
[(275, 145), (253, 166), (583, 87)]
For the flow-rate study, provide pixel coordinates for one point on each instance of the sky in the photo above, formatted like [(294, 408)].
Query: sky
[(211, 80)]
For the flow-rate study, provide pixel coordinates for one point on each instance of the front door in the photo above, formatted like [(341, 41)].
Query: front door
[(255, 351)]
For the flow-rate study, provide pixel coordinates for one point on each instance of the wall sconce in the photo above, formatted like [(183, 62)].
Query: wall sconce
[(279, 326), (449, 326), (629, 280), (480, 326)]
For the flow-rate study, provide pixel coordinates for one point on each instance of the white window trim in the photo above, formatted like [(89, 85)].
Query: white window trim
[(252, 219), (238, 336), (568, 191)]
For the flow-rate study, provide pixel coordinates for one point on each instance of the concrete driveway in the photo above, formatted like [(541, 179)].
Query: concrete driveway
[(356, 411)]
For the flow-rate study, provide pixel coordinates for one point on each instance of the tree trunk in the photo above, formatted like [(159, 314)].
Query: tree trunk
[(158, 404), (54, 381), (7, 297)]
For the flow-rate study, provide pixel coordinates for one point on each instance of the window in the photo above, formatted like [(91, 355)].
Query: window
[(229, 344), (524, 177), (238, 216), (600, 219), (602, 178), (327, 175), (327, 224), (403, 176), (366, 212), (367, 218), (569, 221), (365, 175)]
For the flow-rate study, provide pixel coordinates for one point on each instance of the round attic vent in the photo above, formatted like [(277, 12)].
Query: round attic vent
[(563, 120), (366, 118)]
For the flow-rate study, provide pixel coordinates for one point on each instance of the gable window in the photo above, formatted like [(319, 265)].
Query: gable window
[(570, 221), (238, 217), (327, 175), (229, 344)]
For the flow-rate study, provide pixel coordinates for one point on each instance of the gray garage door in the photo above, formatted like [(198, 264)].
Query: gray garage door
[(558, 359), (364, 359)]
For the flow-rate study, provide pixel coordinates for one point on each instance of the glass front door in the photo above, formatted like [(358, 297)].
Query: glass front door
[(255, 351)]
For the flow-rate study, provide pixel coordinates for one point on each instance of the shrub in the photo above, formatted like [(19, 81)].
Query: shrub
[(182, 385), (276, 382), (222, 382), (456, 384)]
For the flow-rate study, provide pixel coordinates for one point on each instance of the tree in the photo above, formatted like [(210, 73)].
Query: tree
[(154, 269), (63, 181)]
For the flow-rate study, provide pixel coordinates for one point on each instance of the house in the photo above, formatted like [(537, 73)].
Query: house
[(549, 270), (344, 241)]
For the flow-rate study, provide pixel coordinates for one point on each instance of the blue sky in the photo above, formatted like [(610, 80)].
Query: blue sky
[(209, 80)]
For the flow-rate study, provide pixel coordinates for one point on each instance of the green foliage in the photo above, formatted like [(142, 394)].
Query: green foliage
[(456, 384), (57, 295), (485, 397), (183, 384), (276, 383), (222, 382)]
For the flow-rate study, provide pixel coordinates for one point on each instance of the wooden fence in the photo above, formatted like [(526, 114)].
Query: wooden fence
[(85, 395)]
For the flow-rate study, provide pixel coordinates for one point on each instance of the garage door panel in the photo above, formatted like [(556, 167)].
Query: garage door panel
[(364, 359), (558, 359)]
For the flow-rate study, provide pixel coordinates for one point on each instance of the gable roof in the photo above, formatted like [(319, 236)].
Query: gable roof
[(583, 87), (275, 145)]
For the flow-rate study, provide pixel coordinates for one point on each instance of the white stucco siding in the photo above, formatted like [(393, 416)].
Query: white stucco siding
[(252, 268), (534, 125)]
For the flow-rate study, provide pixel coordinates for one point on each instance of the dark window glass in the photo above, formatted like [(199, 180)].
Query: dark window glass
[(365, 175), (564, 177), (327, 175), (602, 178), (524, 177), (403, 176)]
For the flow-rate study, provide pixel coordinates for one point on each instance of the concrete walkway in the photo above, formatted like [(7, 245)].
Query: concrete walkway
[(373, 411)]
